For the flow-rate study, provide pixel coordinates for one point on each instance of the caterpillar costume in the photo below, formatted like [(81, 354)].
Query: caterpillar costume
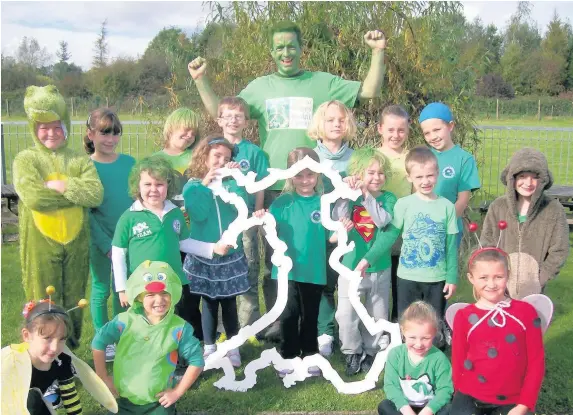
[(54, 227)]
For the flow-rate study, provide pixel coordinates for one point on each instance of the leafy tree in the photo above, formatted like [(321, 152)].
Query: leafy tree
[(101, 47), (63, 54), (31, 54), (493, 86)]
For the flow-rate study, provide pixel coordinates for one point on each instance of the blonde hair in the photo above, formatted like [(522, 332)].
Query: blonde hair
[(419, 312), (198, 164), (420, 155), (297, 155), (103, 120), (181, 118), (316, 128), (234, 103)]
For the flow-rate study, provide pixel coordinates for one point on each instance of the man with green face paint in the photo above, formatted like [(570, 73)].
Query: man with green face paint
[(283, 104)]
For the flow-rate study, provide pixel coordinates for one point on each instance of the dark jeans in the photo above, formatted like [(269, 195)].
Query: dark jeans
[(394, 281), (467, 405), (188, 308), (209, 318), (430, 292), (387, 407), (299, 320)]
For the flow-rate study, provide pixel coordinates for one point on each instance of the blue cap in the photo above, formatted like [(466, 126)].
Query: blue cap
[(436, 110)]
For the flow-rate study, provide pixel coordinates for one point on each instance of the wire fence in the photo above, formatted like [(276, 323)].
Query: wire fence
[(497, 145)]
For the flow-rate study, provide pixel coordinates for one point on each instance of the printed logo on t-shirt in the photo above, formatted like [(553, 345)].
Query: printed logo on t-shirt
[(294, 113), (244, 165), (141, 229), (177, 226), (448, 172), (315, 216), (424, 243), (418, 391)]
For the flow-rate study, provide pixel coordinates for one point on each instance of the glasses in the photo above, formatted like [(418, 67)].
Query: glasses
[(239, 117)]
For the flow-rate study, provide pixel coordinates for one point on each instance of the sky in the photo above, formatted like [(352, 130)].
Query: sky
[(133, 24)]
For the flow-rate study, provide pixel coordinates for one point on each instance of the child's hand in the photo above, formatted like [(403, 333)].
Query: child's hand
[(353, 182), (260, 213), (221, 249), (233, 165), (108, 380), (450, 289), (123, 299), (362, 267), (197, 68), (518, 410), (348, 224), (168, 397), (210, 176), (57, 185)]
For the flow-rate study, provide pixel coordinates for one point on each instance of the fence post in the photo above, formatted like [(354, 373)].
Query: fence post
[(3, 155), (497, 109), (7, 108), (539, 110), (72, 105)]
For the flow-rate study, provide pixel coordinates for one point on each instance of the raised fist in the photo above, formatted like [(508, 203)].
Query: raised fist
[(197, 68), (375, 39)]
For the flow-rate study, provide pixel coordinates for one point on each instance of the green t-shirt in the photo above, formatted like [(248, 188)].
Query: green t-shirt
[(251, 158), (427, 383), (398, 184), (179, 163), (284, 108), (457, 173), (425, 225), (116, 199), (365, 231), (299, 225), (147, 237)]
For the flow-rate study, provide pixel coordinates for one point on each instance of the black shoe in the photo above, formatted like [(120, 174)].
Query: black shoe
[(273, 333), (353, 362), (367, 363)]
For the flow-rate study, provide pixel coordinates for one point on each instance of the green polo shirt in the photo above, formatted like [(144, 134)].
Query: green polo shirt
[(147, 237)]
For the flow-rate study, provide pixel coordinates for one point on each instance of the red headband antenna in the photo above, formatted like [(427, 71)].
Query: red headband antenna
[(502, 225)]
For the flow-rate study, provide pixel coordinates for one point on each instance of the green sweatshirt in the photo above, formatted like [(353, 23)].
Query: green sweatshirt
[(116, 200), (427, 383), (210, 216)]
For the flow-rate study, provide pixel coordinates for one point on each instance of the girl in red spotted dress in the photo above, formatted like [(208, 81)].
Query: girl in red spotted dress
[(498, 360)]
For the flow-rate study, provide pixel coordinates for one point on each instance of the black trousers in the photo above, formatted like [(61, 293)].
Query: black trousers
[(430, 292), (467, 405), (210, 317), (188, 308), (394, 280), (299, 320), (387, 407), (36, 404)]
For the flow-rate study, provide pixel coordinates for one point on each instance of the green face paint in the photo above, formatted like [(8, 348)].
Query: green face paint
[(286, 53)]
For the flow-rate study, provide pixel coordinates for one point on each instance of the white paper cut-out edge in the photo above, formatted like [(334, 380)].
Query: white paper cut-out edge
[(284, 264)]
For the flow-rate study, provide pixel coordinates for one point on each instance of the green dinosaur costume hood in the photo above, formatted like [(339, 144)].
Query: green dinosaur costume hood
[(153, 276), (46, 104)]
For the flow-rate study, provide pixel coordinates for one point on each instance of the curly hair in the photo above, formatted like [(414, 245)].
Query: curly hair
[(362, 158), (181, 118), (297, 155), (316, 128), (158, 168), (103, 120), (198, 164)]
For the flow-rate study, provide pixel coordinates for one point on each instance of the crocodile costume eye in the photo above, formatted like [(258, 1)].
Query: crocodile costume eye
[(147, 277), (161, 276)]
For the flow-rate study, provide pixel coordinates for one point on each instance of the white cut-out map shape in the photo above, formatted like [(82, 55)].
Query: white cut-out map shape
[(284, 264)]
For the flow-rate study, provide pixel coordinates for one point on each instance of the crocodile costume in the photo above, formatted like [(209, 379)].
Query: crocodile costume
[(149, 350), (54, 227)]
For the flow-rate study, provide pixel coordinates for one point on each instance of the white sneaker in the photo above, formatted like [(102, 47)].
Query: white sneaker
[(384, 341), (110, 352), (235, 357), (208, 350), (314, 371), (325, 345)]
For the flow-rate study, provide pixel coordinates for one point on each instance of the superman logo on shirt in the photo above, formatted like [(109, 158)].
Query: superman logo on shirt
[(363, 223)]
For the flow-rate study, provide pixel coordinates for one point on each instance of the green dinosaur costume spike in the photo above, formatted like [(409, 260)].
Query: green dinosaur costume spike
[(146, 349), (54, 227)]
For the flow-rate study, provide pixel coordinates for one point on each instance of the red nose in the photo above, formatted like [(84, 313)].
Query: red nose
[(155, 287)]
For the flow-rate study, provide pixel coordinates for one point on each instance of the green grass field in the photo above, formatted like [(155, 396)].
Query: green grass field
[(269, 395)]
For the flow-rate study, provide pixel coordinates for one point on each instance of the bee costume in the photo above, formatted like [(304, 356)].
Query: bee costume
[(54, 227)]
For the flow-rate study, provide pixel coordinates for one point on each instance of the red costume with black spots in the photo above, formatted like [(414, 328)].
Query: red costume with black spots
[(497, 355)]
